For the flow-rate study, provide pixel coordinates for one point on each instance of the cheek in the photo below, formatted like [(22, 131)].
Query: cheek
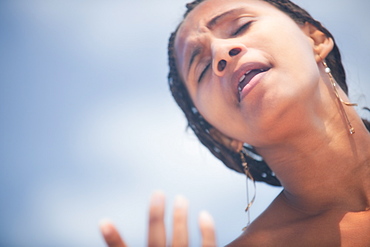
[(218, 109), (295, 64), (209, 102), (283, 36)]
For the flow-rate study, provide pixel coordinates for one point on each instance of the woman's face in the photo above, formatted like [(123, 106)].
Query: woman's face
[(249, 68)]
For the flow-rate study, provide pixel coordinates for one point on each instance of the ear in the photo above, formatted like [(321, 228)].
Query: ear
[(231, 144), (322, 45)]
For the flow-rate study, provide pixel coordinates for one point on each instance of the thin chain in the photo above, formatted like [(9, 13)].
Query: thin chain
[(334, 84), (249, 175)]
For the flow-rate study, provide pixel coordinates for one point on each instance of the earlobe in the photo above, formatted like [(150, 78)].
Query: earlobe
[(322, 45), (231, 144), (236, 145)]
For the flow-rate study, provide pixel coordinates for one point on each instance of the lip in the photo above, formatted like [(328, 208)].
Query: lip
[(246, 68)]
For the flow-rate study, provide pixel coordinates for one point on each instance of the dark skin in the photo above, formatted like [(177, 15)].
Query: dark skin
[(323, 169), (282, 225)]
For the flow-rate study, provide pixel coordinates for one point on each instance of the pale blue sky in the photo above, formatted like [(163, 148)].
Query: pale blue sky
[(89, 130)]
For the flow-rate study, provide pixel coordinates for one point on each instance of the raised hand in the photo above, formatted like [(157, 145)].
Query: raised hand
[(157, 231)]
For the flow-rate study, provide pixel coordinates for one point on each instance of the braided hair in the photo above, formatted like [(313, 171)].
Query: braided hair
[(258, 168)]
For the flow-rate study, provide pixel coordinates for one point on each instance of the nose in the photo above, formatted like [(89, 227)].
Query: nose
[(223, 55), (221, 65)]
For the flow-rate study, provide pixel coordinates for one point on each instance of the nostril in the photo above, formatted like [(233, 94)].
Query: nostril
[(234, 52), (221, 65)]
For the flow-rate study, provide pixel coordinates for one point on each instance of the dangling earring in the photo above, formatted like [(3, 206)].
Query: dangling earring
[(334, 84), (249, 175)]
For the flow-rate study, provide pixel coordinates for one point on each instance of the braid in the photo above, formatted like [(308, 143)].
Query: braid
[(191, 6), (366, 122), (258, 167)]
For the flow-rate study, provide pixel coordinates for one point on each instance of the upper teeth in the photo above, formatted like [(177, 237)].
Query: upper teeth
[(243, 76)]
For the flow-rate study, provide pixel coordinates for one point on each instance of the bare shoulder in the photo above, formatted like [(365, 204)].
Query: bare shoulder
[(252, 238), (269, 229), (279, 225)]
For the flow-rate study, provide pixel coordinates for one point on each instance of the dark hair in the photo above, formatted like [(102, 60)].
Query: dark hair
[(257, 166)]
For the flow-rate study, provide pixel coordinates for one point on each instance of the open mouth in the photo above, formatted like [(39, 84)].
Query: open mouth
[(247, 77)]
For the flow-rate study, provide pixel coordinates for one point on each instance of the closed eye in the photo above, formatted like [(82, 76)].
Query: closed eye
[(204, 72), (242, 28)]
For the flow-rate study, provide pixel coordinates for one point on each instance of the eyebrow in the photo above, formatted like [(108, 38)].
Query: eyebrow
[(213, 22)]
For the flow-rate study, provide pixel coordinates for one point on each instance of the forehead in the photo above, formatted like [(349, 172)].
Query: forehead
[(210, 8)]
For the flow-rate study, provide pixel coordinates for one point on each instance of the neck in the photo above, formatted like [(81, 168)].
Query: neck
[(324, 168)]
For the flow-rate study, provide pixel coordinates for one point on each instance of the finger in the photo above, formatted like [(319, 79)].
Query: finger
[(180, 224), (207, 229), (111, 235), (157, 232)]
